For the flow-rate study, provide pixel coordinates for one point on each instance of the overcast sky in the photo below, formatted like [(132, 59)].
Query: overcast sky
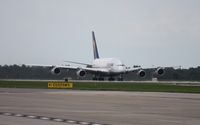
[(145, 32)]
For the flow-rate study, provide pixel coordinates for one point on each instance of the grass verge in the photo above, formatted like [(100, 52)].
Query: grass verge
[(109, 86)]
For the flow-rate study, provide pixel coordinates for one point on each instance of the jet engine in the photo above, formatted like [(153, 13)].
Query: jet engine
[(55, 71), (159, 71), (81, 73), (141, 73)]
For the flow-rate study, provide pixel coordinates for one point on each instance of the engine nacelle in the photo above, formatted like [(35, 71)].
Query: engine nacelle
[(81, 73), (141, 73), (159, 72), (55, 71)]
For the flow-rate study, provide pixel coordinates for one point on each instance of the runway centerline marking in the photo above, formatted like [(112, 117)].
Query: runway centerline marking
[(49, 118)]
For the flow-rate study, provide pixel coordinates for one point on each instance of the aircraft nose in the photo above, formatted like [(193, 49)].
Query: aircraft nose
[(121, 68)]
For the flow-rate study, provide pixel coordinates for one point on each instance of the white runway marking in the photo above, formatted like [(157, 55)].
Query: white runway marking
[(58, 120), (30, 116), (18, 115), (44, 118), (8, 114), (71, 121), (49, 119), (84, 123)]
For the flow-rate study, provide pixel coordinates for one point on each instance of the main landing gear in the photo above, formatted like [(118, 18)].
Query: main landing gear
[(99, 79), (118, 79), (109, 79)]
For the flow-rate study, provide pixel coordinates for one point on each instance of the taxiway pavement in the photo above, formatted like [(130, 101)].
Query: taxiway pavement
[(97, 107)]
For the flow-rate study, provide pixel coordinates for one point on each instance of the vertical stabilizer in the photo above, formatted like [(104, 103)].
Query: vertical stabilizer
[(95, 49)]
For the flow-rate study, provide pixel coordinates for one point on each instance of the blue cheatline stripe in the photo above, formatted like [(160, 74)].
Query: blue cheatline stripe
[(49, 118)]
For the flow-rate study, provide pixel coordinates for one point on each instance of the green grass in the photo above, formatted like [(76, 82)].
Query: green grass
[(141, 87), (23, 84), (108, 86)]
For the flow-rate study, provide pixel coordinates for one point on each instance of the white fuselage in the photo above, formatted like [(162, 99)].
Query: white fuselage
[(112, 65)]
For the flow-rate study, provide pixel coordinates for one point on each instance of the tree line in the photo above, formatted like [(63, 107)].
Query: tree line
[(43, 72)]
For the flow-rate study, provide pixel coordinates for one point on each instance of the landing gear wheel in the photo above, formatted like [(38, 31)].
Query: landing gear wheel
[(94, 78), (66, 79), (101, 79), (111, 79), (120, 79)]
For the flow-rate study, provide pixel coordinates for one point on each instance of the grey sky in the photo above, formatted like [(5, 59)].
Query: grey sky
[(145, 32)]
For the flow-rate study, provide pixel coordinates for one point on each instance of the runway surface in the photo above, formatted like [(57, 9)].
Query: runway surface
[(58, 107)]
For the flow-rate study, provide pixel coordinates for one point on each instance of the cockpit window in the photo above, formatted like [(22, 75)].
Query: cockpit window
[(121, 65)]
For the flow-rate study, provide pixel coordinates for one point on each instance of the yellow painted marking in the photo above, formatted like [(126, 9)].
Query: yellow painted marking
[(60, 85)]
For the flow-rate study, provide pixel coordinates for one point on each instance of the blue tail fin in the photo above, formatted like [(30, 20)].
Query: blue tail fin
[(95, 49)]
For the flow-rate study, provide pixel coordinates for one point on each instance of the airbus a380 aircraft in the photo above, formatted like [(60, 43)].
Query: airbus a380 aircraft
[(104, 67)]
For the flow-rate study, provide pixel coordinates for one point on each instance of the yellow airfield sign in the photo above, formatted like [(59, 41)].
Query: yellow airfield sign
[(60, 85)]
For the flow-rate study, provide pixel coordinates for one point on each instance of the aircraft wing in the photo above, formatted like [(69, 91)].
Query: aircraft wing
[(95, 70), (89, 70), (132, 70), (159, 71)]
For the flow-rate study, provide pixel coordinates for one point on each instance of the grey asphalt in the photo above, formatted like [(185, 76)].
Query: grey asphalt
[(103, 107)]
